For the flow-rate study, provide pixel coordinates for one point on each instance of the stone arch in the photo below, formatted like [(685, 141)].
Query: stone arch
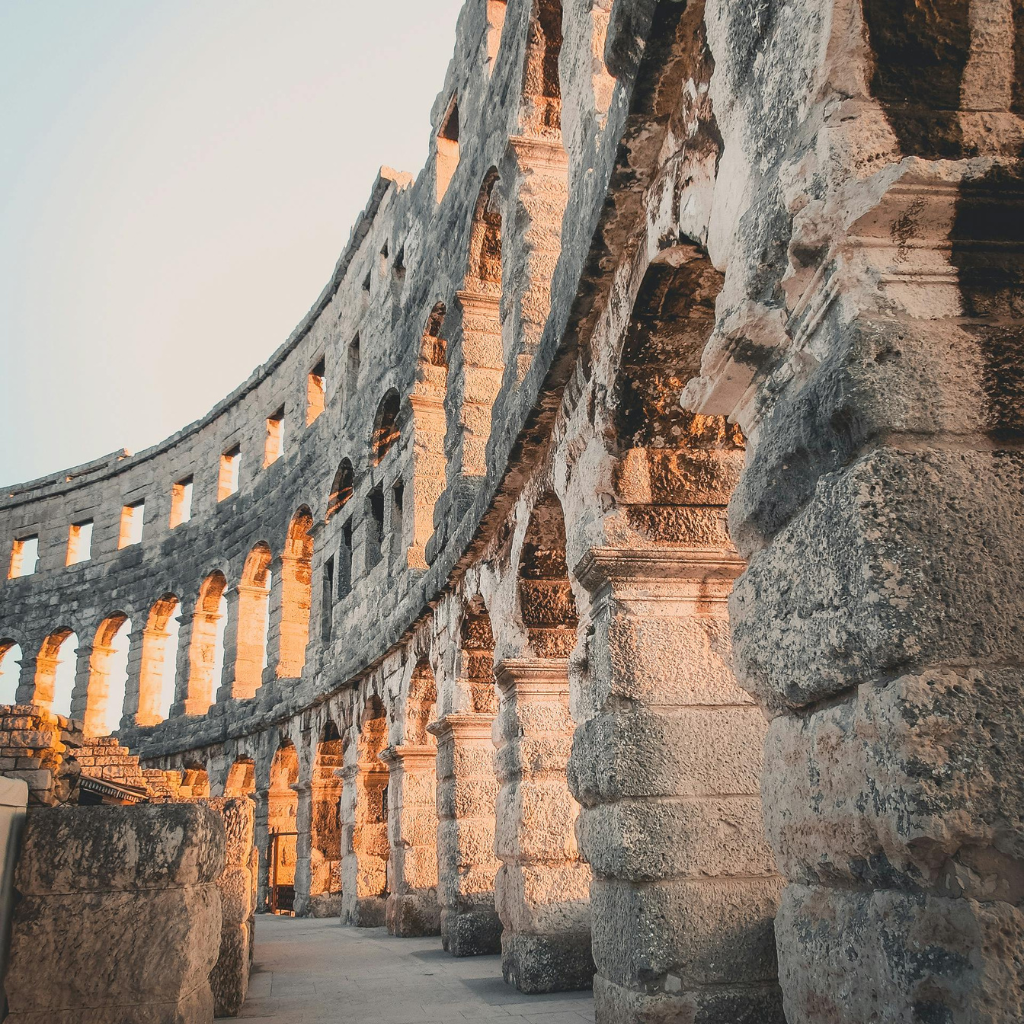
[(108, 676), (365, 822), (159, 660), (477, 640), (541, 107), (482, 360), (253, 621), (241, 777), (282, 827), (547, 606), (55, 675), (206, 646), (420, 705), (386, 431), (296, 594), (341, 488), (325, 853), (676, 468), (10, 670)]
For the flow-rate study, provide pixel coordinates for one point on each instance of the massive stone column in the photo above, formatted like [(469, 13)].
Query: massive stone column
[(364, 844), (318, 848), (412, 906), (881, 619), (541, 890), (466, 793), (668, 772)]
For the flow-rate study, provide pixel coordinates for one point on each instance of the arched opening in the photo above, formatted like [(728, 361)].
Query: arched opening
[(56, 668), (413, 907), (365, 828), (282, 807), (478, 658), (341, 488), (253, 622), (482, 359), (325, 826), (546, 601), (676, 468), (447, 148), (108, 676), (542, 92), (10, 671), (159, 661), (206, 651), (296, 591), (241, 780), (386, 432)]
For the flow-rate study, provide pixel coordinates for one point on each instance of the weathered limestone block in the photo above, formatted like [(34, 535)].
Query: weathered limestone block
[(122, 905), (542, 887), (668, 772), (364, 842), (412, 904), (230, 976), (466, 794)]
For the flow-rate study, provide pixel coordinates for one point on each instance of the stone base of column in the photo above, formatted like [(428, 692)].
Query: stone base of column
[(471, 932), (413, 913), (547, 963), (755, 1004), (324, 904), (366, 912)]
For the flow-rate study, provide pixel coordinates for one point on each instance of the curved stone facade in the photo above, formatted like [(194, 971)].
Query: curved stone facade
[(670, 416)]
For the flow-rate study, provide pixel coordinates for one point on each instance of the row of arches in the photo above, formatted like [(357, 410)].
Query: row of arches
[(121, 675)]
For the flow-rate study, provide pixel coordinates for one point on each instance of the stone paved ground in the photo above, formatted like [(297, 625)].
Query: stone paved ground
[(316, 972)]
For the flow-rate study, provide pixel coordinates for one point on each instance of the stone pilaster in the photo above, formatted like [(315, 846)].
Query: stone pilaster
[(88, 692), (467, 790), (412, 907), (542, 887), (668, 771), (261, 832), (364, 845)]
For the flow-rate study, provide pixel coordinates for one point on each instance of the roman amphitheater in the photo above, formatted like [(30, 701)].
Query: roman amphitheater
[(619, 568)]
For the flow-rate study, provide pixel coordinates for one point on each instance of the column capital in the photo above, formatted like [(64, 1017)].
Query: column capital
[(539, 153), (697, 574), (538, 678), (468, 725), (406, 757)]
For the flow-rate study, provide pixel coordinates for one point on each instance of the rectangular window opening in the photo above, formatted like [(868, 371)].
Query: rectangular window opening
[(352, 367), (132, 519), (398, 521), (181, 502), (24, 557), (80, 542), (344, 587), (227, 482), (315, 391), (273, 449), (327, 606)]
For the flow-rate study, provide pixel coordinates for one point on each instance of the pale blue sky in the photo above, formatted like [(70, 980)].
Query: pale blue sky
[(177, 179)]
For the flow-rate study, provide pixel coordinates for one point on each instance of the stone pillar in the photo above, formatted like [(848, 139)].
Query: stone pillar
[(467, 790), (542, 887), (293, 635), (83, 706), (482, 369), (32, 667), (250, 640), (261, 832), (364, 844), (145, 703), (412, 907), (303, 826), (193, 683), (668, 771), (226, 687), (133, 686)]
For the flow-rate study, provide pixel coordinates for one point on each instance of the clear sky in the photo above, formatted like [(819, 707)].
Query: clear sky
[(177, 180)]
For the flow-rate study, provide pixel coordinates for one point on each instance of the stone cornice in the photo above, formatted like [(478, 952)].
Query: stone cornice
[(534, 677), (702, 571), (462, 725)]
